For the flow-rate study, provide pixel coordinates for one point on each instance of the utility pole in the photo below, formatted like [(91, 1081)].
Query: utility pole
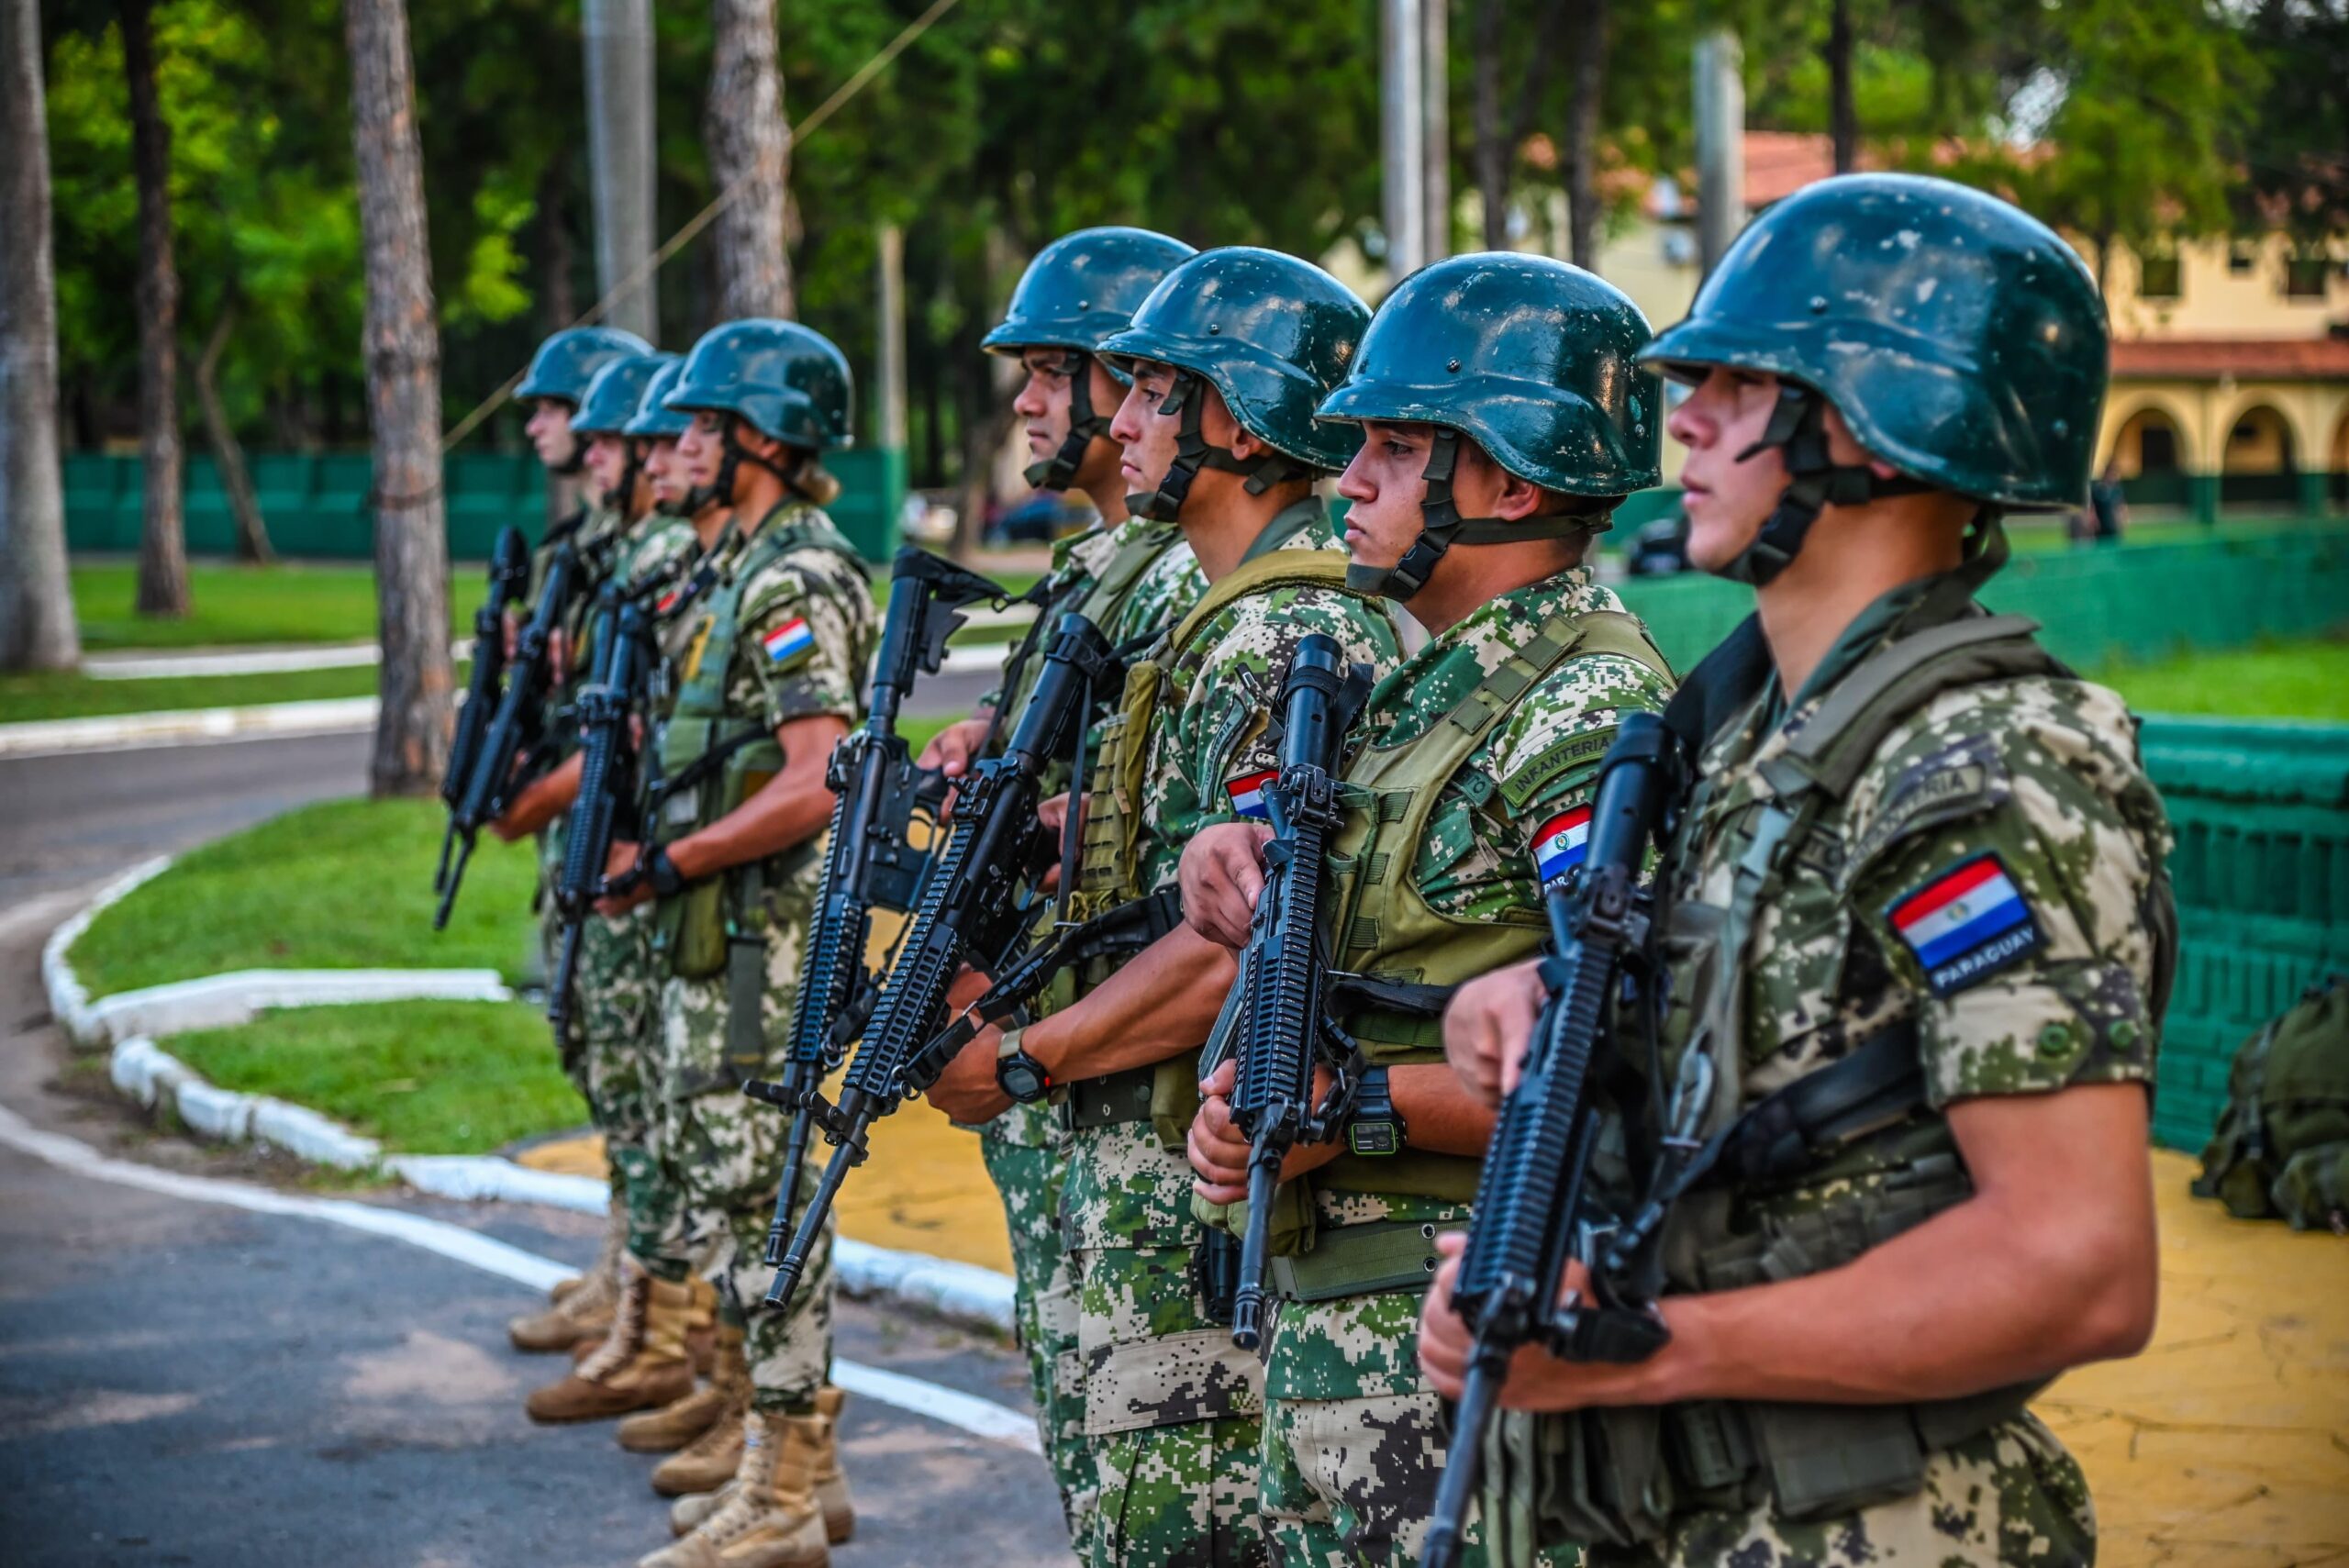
[(889, 385), (1720, 145), (617, 35), (1435, 81), (1402, 115)]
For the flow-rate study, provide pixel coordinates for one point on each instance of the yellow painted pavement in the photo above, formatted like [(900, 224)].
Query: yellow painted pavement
[(2225, 1445)]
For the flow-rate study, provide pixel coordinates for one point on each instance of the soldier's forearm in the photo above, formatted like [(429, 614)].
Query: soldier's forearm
[(1160, 1004), (790, 808), (540, 802), (1439, 1113)]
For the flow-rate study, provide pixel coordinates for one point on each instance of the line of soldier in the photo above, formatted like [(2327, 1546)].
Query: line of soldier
[(1911, 909)]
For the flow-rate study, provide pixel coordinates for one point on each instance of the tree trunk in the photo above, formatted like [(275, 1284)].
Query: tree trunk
[(402, 348), (748, 157), (37, 630), (252, 531), (1493, 151), (162, 540), (561, 310), (1582, 136), (1842, 115)]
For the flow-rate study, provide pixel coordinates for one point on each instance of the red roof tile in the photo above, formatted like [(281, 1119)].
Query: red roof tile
[(2209, 359)]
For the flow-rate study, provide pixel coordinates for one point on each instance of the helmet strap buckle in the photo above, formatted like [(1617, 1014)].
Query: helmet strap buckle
[(1193, 452), (1058, 471)]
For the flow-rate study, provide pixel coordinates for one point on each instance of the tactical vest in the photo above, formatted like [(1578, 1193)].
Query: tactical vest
[(1097, 599), (1108, 873), (1620, 1476), (711, 761)]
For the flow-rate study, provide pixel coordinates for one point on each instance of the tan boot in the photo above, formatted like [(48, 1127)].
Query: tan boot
[(711, 1459), (584, 1314), (672, 1427), (607, 1256), (771, 1519), (831, 1483), (640, 1364)]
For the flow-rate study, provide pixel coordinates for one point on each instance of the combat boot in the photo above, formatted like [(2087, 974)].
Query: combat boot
[(771, 1520), (640, 1364), (701, 1329), (581, 1314), (607, 1256), (672, 1427), (830, 1483)]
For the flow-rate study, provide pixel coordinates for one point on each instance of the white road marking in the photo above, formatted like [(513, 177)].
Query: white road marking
[(980, 1417)]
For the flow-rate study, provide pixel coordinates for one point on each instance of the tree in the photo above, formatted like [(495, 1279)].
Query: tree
[(1842, 111), (244, 507), (162, 538), (37, 630), (1581, 134), (749, 157), (401, 349)]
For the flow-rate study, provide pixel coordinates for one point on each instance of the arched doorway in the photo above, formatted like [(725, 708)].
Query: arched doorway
[(2259, 472), (2148, 458)]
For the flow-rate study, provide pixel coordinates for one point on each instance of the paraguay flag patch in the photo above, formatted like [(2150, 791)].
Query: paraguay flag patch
[(1966, 923), (1247, 793), (788, 641), (1560, 843)]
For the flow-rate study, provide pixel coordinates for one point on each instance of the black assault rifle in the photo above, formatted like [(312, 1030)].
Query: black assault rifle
[(519, 725), (1283, 1029), (509, 581), (868, 860), (1531, 1214), (975, 905), (618, 684)]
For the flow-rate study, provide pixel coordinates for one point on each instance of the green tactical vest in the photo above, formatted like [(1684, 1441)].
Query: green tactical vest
[(711, 761), (1108, 869), (1620, 1476), (1097, 599)]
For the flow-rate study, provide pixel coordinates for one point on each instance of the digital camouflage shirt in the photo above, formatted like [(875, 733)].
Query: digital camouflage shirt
[(1165, 591)]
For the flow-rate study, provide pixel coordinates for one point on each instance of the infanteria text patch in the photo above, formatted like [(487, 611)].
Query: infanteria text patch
[(1966, 923), (1247, 793), (788, 641), (1561, 843)]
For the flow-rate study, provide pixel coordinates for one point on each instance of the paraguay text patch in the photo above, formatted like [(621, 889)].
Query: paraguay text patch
[(1964, 923)]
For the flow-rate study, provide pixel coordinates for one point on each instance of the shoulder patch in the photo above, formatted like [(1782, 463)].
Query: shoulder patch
[(1570, 753), (792, 641), (1966, 923), (1560, 844), (1246, 793), (1963, 779)]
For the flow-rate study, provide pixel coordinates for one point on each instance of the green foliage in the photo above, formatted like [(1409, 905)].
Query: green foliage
[(2286, 680), (67, 694), (421, 1077), (234, 605), (344, 885)]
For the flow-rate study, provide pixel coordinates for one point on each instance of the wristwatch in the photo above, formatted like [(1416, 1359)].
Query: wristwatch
[(1375, 1127), (1018, 1074), (662, 873)]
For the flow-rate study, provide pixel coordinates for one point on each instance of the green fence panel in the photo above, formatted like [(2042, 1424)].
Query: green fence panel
[(873, 492), (2261, 871)]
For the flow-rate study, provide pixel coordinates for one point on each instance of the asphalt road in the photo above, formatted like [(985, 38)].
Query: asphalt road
[(184, 1382)]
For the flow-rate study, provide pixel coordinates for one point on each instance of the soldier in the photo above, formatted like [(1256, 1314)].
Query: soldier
[(552, 387), (1917, 930), (1229, 354), (1503, 421), (768, 673), (1127, 575)]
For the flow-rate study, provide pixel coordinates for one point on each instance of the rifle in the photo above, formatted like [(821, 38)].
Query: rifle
[(624, 661), (1531, 1214), (867, 859), (1283, 1029), (971, 912), (510, 580), (519, 723)]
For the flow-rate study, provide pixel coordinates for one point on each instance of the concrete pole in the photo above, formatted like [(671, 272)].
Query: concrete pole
[(1436, 134), (619, 38), (889, 382), (1721, 144), (1402, 115)]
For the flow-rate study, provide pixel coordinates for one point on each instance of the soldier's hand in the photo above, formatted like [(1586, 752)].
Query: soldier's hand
[(1054, 815), (967, 1090), (618, 864), (1444, 1341), (1223, 875), (1536, 1380), (1219, 1149), (955, 749), (1488, 1026)]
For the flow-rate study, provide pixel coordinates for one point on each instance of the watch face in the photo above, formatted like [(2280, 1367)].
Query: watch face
[(1021, 1080), (1372, 1138)]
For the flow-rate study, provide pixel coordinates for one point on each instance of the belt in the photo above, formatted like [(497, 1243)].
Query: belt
[(1106, 1102), (1359, 1260)]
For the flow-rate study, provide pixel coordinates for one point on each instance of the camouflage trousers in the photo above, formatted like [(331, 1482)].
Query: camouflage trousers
[(614, 1059), (724, 1153), (1353, 1438), (2009, 1498), (1024, 1159)]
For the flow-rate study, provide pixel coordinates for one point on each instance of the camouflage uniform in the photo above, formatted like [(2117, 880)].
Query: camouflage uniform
[(1353, 1440), (1172, 1410), (724, 1153), (2039, 776), (1023, 1147)]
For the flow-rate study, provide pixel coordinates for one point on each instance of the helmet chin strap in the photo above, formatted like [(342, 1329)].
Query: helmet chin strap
[(617, 497), (1192, 453), (1442, 526), (735, 455), (1058, 471), (1815, 481)]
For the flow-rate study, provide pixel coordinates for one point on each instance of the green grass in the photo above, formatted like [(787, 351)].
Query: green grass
[(2302, 680), (422, 1077), (342, 884), (234, 605), (71, 694)]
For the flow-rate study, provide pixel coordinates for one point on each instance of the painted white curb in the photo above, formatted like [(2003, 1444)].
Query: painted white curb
[(218, 1001), (49, 737), (69, 1003), (245, 661)]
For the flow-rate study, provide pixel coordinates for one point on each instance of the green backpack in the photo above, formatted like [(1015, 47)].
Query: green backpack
[(2282, 1145)]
